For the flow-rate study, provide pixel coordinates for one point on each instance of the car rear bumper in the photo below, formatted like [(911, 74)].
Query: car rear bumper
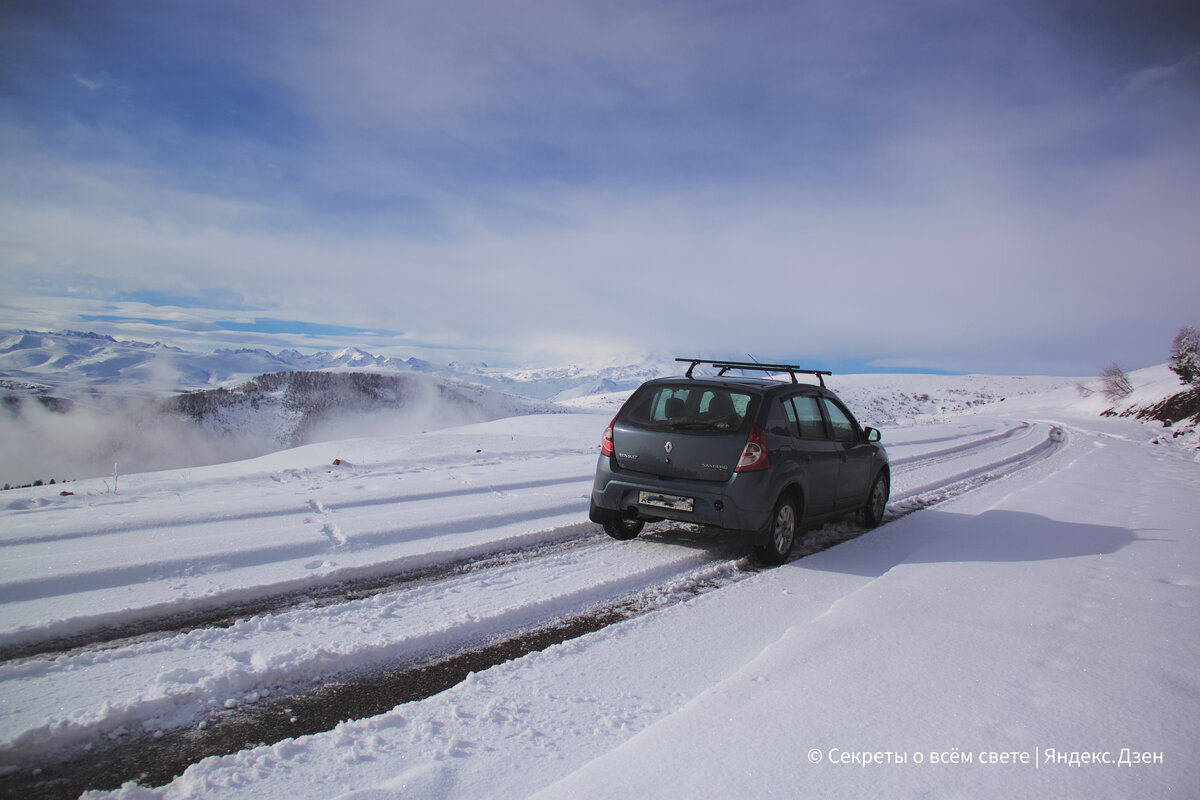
[(735, 504)]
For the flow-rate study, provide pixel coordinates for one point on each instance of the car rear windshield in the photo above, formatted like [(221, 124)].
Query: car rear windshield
[(689, 407)]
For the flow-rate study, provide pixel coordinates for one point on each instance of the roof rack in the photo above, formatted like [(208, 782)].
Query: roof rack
[(725, 366)]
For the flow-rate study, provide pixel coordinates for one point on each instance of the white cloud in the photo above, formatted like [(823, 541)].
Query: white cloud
[(1158, 75), (88, 83)]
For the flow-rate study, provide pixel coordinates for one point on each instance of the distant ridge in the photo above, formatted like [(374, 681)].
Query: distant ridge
[(73, 362), (288, 409)]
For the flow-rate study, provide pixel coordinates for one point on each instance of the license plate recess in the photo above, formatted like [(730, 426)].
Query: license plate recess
[(672, 501)]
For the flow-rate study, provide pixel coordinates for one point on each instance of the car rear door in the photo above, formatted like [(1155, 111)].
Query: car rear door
[(818, 455), (856, 454)]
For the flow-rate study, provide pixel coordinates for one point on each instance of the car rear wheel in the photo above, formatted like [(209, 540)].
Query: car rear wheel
[(872, 513), (781, 532), (618, 526)]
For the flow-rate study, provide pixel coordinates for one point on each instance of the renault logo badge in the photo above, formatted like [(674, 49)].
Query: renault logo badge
[(669, 447)]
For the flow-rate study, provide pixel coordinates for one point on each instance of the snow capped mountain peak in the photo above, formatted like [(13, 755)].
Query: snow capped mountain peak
[(72, 361), (80, 335), (353, 356), (242, 351)]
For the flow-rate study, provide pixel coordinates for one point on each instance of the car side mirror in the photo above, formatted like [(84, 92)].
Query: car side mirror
[(873, 434)]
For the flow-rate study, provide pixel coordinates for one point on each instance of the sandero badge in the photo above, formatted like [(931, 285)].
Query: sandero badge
[(763, 455)]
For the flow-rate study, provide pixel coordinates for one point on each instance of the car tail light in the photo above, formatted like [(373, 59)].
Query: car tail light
[(606, 444), (754, 454)]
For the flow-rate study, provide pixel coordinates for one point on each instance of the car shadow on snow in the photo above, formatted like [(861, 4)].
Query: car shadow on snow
[(717, 543), (994, 536)]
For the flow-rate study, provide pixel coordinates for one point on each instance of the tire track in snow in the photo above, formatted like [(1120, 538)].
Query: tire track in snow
[(34, 588), (350, 584), (948, 488), (225, 612), (962, 448), (107, 754), (288, 509), (244, 725)]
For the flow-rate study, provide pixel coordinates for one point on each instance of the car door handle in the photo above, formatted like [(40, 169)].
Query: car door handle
[(845, 458)]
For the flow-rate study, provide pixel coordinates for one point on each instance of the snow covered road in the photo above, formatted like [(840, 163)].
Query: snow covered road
[(421, 509)]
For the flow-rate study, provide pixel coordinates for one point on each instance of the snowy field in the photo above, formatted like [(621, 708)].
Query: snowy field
[(1025, 620)]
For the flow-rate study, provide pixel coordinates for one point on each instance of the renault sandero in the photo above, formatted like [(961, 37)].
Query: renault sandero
[(770, 456)]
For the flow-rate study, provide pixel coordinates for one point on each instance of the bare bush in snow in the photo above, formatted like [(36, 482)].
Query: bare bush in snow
[(1114, 383)]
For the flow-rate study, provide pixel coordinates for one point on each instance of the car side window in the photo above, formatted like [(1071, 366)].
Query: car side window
[(808, 417), (844, 429), (781, 420)]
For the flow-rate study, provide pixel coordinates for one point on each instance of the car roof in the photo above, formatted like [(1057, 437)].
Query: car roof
[(759, 384)]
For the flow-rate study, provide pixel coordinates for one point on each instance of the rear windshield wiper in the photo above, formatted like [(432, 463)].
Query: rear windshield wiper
[(693, 425)]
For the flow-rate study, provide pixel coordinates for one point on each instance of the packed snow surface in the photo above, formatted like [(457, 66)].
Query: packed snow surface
[(1030, 629)]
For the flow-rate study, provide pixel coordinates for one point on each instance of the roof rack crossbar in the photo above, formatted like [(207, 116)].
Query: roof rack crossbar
[(724, 366)]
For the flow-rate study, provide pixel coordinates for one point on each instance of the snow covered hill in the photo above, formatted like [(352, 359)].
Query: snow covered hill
[(288, 409), (79, 405), (1024, 624), (51, 438)]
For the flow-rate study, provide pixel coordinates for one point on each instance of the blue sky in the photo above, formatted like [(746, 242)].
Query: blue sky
[(978, 187)]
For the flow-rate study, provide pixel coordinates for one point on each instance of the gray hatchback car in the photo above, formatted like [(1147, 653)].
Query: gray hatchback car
[(758, 455)]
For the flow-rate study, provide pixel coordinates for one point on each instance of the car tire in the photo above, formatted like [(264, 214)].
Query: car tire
[(618, 526), (872, 513), (780, 533)]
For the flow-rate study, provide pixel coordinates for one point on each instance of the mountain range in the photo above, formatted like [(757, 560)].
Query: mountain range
[(72, 362), (76, 403)]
